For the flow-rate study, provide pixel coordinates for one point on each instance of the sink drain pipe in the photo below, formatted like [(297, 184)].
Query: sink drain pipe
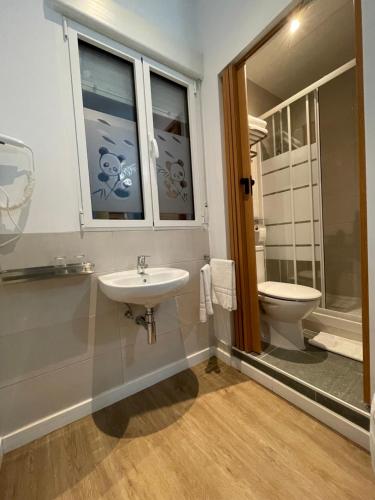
[(147, 321)]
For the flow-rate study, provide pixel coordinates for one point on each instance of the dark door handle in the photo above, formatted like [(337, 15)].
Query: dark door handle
[(247, 183)]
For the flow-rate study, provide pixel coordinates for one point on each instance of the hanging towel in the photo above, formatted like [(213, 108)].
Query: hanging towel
[(372, 432), (205, 306), (223, 284)]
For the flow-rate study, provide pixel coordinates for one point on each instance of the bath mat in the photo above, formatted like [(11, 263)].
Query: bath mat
[(339, 345)]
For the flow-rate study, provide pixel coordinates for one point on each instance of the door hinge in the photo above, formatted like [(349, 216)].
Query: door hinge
[(195, 87), (65, 29), (81, 218)]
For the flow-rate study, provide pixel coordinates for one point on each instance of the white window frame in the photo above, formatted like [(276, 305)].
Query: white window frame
[(74, 34), (146, 140), (196, 164)]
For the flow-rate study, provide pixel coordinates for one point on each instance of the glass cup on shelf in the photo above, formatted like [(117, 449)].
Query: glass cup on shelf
[(60, 264)]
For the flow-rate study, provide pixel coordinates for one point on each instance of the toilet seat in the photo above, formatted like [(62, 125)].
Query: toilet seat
[(288, 291)]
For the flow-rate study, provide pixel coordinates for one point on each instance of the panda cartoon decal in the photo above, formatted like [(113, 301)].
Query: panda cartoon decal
[(114, 174), (175, 179)]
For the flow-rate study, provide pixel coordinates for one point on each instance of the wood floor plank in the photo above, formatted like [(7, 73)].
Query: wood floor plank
[(206, 433)]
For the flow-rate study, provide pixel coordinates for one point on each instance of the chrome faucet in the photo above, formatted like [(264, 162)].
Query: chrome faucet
[(141, 263)]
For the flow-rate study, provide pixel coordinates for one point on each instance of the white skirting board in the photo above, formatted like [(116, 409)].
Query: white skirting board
[(44, 426), (52, 422)]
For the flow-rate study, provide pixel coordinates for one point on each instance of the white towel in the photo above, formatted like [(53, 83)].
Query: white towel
[(256, 131), (223, 284), (205, 305), (253, 120)]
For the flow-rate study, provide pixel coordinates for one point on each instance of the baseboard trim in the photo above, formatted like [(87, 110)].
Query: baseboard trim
[(64, 417), (57, 420)]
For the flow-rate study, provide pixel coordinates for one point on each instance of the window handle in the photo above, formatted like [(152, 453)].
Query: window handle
[(154, 147)]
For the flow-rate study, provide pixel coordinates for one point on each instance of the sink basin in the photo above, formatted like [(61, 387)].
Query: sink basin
[(156, 285)]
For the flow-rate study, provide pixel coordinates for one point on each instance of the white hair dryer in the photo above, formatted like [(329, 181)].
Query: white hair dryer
[(28, 190)]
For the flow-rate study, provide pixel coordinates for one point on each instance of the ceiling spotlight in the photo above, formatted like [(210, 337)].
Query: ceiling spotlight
[(294, 25)]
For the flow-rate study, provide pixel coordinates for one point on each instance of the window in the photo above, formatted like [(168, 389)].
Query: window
[(110, 112), (173, 166), (137, 150)]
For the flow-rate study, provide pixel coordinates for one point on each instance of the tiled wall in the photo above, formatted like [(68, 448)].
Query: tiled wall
[(62, 341), (278, 216)]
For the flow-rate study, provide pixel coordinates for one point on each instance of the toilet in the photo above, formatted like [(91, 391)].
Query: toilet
[(283, 307)]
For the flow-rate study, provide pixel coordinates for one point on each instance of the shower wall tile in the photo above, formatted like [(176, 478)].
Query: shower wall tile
[(276, 181), (280, 235), (302, 208), (287, 271), (305, 253), (275, 163), (273, 270), (300, 155), (303, 233), (279, 253), (301, 174), (277, 208)]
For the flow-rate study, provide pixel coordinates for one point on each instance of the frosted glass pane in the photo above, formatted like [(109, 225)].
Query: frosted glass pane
[(267, 143), (340, 200), (111, 134), (298, 123), (171, 131)]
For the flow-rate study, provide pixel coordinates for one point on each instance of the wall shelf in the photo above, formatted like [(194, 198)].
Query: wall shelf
[(45, 272)]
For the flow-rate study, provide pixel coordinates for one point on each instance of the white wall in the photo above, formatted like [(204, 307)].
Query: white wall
[(177, 19), (61, 341), (36, 106), (36, 99), (227, 28)]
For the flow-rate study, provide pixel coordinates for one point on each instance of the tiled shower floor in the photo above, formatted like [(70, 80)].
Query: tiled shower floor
[(337, 375)]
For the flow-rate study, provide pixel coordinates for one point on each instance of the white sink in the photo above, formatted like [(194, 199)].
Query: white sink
[(148, 289)]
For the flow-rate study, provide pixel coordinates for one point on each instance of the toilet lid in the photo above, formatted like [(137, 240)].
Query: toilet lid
[(288, 291)]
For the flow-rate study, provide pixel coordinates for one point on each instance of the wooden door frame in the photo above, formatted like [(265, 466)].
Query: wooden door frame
[(240, 207)]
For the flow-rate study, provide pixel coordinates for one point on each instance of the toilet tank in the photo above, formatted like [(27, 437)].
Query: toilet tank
[(261, 266)]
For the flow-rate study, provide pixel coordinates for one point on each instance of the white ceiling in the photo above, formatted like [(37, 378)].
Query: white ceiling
[(289, 62)]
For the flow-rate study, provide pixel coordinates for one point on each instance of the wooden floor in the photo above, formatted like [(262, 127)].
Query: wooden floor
[(206, 433)]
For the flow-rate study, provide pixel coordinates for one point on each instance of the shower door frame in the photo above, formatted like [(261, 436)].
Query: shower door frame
[(312, 89), (240, 211)]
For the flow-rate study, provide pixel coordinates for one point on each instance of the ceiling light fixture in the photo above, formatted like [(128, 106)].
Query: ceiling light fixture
[(294, 25)]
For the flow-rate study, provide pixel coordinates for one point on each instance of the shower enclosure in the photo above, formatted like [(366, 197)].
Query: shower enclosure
[(309, 199)]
